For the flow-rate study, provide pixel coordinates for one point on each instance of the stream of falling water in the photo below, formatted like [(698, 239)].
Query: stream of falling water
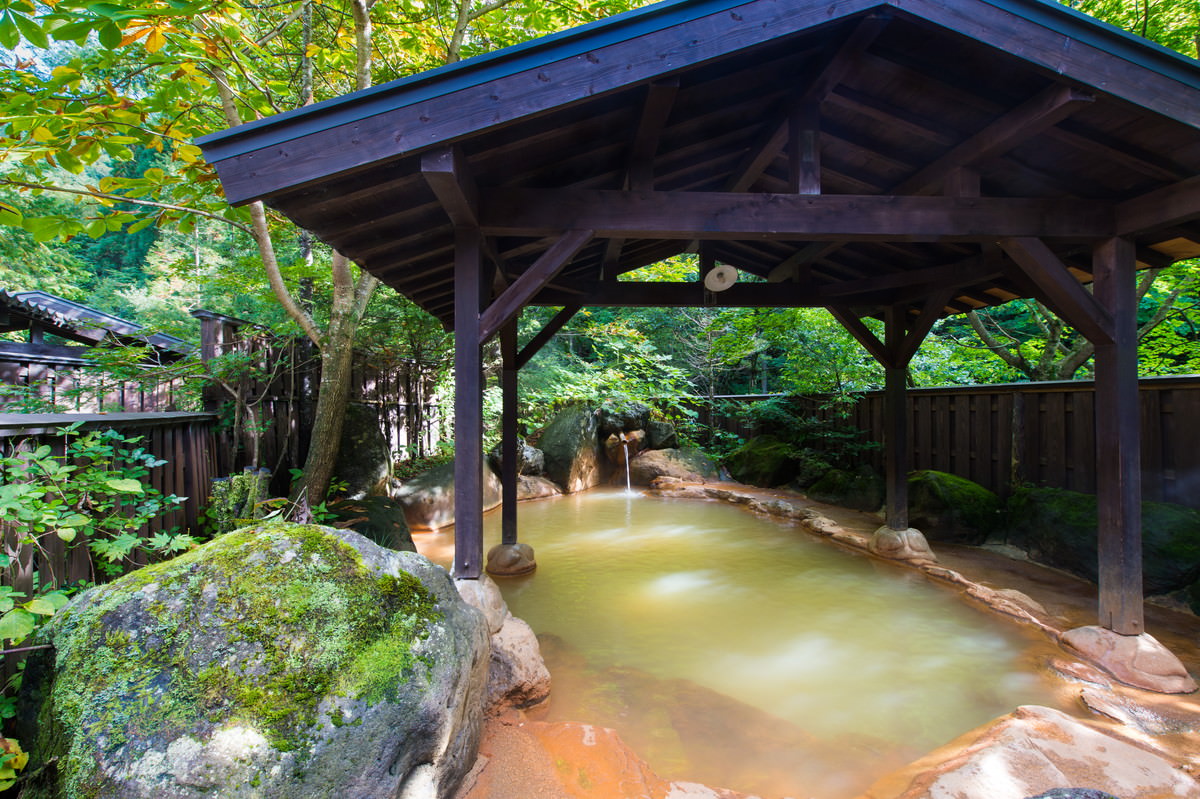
[(739, 651)]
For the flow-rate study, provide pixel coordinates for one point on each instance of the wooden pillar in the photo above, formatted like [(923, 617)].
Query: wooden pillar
[(895, 410), (1118, 472), (510, 438), (468, 405)]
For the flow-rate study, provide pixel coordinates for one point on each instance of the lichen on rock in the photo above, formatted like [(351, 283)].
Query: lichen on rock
[(279, 660)]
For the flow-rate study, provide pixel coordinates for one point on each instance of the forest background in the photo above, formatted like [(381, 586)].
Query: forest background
[(104, 199)]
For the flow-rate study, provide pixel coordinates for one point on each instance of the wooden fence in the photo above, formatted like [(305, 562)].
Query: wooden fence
[(61, 376), (1039, 433), (183, 440)]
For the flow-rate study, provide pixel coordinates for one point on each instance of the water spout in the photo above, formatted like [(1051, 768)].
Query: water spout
[(625, 446)]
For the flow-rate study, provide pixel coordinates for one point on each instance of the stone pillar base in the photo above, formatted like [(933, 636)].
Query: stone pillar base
[(907, 544), (510, 560), (1137, 660)]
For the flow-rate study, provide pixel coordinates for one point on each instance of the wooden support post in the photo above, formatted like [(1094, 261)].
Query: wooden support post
[(895, 439), (509, 440), (804, 150), (1118, 475), (468, 405)]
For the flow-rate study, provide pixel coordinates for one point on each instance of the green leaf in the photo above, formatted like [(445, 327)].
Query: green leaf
[(32, 31), (16, 624), (10, 37), (40, 606), (56, 598), (66, 534), (109, 35), (124, 485)]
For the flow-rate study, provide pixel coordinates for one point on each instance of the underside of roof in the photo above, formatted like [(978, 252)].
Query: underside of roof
[(850, 154)]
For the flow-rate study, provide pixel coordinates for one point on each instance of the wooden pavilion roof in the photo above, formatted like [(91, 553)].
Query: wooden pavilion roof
[(853, 154)]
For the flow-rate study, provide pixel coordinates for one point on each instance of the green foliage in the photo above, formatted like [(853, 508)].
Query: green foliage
[(94, 497)]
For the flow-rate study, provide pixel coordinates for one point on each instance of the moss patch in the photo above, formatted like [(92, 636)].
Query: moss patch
[(256, 628), (950, 508)]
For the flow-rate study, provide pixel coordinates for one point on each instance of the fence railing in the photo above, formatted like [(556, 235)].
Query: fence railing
[(1039, 433), (183, 440)]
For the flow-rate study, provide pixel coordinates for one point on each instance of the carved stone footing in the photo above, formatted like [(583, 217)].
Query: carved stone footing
[(907, 544), (1137, 660), (510, 560)]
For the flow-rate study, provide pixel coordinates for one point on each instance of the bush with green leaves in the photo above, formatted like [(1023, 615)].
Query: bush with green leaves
[(95, 497)]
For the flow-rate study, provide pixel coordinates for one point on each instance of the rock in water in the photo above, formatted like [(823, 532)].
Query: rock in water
[(277, 661), (428, 499), (572, 449)]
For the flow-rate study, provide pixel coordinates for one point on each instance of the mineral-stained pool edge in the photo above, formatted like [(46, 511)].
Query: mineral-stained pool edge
[(834, 643)]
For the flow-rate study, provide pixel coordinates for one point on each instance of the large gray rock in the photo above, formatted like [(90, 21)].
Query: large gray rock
[(279, 661), (428, 499), (951, 508), (572, 449), (661, 435), (530, 460), (1034, 750), (687, 465), (380, 519), (621, 416), (364, 459)]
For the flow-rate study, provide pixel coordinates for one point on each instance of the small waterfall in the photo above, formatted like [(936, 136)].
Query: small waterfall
[(625, 446)]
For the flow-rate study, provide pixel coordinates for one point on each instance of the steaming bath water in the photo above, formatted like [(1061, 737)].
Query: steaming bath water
[(843, 647)]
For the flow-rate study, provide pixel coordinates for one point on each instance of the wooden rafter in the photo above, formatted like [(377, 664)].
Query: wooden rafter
[(1170, 205), (723, 215), (531, 281), (446, 172), (835, 70), (1068, 296), (660, 97), (1022, 123)]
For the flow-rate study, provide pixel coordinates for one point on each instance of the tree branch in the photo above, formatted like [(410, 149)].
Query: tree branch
[(100, 195)]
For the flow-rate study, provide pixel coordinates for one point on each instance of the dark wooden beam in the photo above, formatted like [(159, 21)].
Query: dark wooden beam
[(468, 406), (795, 266), (837, 68), (509, 436), (1066, 294), (895, 436), (1118, 468), (684, 295), (804, 150), (446, 172), (610, 265), (1170, 205), (531, 281), (863, 335), (725, 215), (841, 64), (966, 272), (1022, 123), (660, 98), (917, 329), (544, 335)]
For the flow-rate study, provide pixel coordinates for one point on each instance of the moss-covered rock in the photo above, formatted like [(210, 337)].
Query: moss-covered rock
[(946, 507), (364, 461), (762, 461), (1059, 527), (861, 489), (571, 444), (621, 416), (278, 661), (691, 465)]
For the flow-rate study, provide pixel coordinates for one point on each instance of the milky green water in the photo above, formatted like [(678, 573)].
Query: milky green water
[(767, 614)]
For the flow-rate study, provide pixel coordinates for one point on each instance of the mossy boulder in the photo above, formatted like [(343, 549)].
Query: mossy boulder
[(763, 461), (661, 435), (621, 416), (530, 460), (276, 661), (1059, 527), (946, 507), (861, 489), (690, 465), (571, 444), (811, 466)]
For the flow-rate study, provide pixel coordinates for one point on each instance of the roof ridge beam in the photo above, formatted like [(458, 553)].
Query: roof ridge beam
[(1044, 110), (836, 69)]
